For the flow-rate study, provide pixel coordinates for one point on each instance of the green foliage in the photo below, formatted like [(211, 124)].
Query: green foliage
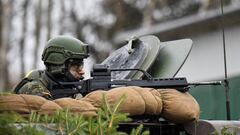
[(230, 130), (5, 93), (138, 131), (6, 120), (63, 122), (10, 125)]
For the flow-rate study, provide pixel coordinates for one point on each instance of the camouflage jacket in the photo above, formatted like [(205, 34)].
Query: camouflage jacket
[(35, 82)]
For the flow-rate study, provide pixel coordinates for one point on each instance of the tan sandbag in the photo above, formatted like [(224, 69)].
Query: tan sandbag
[(77, 106), (34, 102), (153, 102), (130, 104), (49, 107), (138, 100), (22, 103), (13, 103), (95, 98), (179, 107), (133, 104), (158, 98)]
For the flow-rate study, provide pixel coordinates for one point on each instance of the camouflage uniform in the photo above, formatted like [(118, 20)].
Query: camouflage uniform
[(35, 82)]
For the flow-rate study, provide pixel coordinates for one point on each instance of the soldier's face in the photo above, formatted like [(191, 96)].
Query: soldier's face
[(77, 71)]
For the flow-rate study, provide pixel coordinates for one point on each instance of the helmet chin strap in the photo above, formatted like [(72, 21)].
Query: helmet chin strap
[(57, 71)]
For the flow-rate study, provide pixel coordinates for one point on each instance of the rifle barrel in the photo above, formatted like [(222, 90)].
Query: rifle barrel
[(206, 83)]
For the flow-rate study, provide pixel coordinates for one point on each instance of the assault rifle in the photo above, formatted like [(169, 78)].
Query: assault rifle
[(101, 80)]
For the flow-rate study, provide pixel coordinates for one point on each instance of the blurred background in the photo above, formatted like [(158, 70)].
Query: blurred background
[(26, 26)]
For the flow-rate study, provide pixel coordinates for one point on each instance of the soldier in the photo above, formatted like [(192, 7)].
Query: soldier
[(63, 58)]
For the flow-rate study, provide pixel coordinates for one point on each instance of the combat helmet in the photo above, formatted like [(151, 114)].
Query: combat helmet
[(60, 50)]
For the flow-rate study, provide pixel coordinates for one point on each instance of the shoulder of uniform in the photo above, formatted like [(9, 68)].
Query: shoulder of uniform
[(35, 88), (30, 86), (30, 78), (34, 74)]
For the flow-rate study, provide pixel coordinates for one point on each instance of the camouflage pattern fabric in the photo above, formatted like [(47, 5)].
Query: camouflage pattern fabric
[(35, 88), (34, 83), (37, 82)]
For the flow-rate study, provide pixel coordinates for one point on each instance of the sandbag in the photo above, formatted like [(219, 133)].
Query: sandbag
[(77, 106), (13, 103), (152, 99), (22, 104), (95, 98), (179, 107), (158, 98), (34, 102), (49, 107), (133, 103)]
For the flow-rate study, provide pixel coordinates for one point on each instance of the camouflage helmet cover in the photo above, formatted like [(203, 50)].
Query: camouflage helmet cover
[(62, 48)]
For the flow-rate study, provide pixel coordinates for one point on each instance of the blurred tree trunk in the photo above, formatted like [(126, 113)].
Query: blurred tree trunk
[(49, 19), (1, 46), (24, 34), (5, 28), (77, 23), (38, 19), (62, 17), (123, 12), (148, 13)]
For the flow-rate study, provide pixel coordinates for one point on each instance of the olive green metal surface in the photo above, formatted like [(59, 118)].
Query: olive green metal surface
[(153, 46), (171, 57)]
